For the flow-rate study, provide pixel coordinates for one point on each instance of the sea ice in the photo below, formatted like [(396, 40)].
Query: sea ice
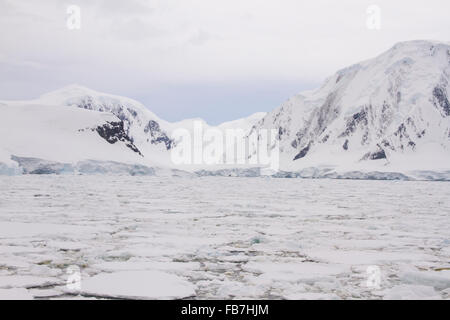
[(138, 285), (219, 238)]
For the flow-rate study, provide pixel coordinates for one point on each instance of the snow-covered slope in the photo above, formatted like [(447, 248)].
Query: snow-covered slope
[(244, 123), (144, 128), (74, 124), (51, 139), (64, 135), (389, 113)]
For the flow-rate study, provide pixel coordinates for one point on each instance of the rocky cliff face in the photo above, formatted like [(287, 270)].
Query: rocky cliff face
[(114, 132)]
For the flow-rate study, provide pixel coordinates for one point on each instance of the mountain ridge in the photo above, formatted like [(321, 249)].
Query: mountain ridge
[(388, 113)]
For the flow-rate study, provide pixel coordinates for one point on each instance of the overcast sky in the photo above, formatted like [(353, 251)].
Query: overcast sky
[(218, 60)]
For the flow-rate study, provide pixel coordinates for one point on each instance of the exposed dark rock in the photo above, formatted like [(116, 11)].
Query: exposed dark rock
[(403, 135), (377, 155), (365, 137), (354, 121), (127, 115), (326, 114), (421, 134), (152, 126), (385, 107), (441, 99), (87, 103), (281, 131), (385, 118), (132, 112), (345, 146), (317, 123), (300, 137), (294, 144), (303, 152), (157, 135), (410, 122), (385, 143), (113, 132), (401, 131)]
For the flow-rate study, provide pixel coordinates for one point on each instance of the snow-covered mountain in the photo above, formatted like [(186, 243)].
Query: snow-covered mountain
[(142, 126), (61, 129), (47, 138), (390, 113)]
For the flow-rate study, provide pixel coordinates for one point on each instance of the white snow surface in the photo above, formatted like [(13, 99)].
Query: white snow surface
[(220, 238)]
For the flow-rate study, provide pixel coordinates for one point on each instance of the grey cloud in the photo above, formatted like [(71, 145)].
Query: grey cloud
[(131, 47)]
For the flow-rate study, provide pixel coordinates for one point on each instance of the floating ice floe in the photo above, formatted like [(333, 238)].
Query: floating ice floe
[(138, 285)]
